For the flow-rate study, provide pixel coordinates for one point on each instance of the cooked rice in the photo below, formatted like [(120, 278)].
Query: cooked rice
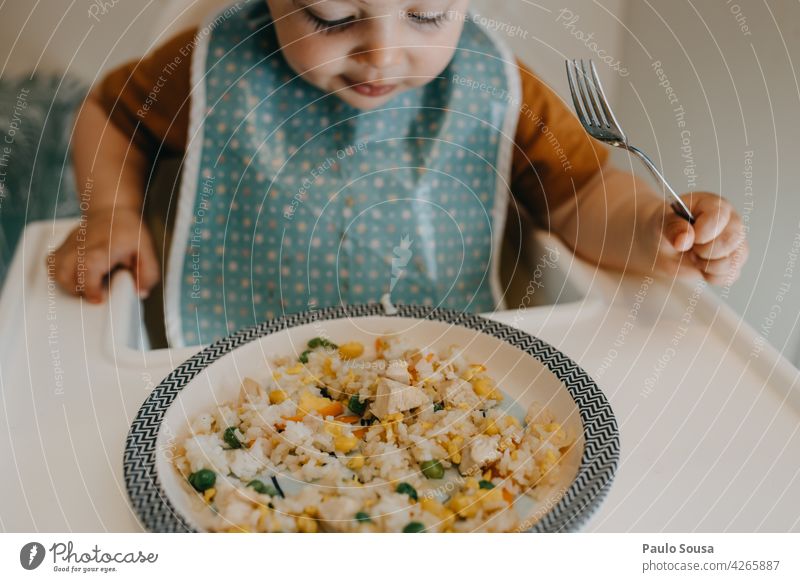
[(344, 471)]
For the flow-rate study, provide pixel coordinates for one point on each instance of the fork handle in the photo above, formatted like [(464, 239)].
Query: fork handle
[(678, 205)]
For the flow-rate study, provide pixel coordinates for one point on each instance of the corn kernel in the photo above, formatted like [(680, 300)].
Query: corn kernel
[(491, 496), (483, 387), (208, 494), (351, 350), (355, 463), (277, 396), (345, 444), (294, 370), (456, 458), (333, 428), (439, 510), (326, 367), (306, 525), (464, 505), (311, 510), (492, 429)]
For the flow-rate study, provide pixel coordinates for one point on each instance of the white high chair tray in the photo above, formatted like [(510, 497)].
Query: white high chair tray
[(708, 411)]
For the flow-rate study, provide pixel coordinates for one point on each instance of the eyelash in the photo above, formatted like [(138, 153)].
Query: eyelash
[(328, 26), (331, 26), (436, 21)]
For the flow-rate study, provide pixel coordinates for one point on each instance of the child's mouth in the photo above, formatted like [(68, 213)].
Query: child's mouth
[(369, 89)]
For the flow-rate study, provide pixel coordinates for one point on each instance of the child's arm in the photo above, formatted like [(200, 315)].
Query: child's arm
[(618, 221), (121, 128), (608, 216), (110, 172)]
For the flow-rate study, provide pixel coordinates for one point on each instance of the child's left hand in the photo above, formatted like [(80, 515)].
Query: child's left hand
[(715, 246)]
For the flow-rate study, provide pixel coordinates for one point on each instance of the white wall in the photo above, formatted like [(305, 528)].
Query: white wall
[(549, 35), (740, 93), (56, 35)]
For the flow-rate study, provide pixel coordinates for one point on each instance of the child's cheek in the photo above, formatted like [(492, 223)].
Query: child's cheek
[(315, 58)]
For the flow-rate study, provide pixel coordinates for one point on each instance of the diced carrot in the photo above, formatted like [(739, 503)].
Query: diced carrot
[(508, 496), (380, 345), (348, 419), (360, 432), (250, 443), (412, 371), (332, 409)]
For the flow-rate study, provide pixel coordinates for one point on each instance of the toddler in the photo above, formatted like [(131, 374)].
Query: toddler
[(334, 151)]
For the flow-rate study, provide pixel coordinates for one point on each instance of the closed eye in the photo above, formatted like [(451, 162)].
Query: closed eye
[(426, 19), (322, 25)]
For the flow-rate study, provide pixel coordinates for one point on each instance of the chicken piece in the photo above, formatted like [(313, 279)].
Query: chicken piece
[(538, 414), (398, 370), (393, 397), (338, 513), (481, 451), (251, 391), (458, 391)]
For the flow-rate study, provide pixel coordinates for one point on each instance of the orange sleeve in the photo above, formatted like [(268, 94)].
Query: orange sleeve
[(148, 98), (553, 156)]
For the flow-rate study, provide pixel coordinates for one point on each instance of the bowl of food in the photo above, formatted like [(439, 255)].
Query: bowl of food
[(350, 420)]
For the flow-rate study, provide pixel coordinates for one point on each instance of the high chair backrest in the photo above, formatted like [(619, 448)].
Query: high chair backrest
[(178, 15)]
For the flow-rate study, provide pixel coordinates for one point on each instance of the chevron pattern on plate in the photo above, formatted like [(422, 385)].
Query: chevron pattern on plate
[(579, 501)]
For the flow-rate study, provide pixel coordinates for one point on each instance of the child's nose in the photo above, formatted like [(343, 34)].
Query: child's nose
[(378, 51)]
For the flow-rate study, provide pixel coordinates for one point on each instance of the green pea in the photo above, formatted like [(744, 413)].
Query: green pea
[(263, 488), (356, 405), (432, 469), (304, 356), (202, 479), (231, 439), (484, 484), (414, 527), (363, 516), (437, 406), (408, 490)]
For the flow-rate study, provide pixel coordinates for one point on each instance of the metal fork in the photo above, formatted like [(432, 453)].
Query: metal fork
[(599, 122)]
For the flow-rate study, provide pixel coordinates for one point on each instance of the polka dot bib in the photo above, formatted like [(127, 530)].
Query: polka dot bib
[(292, 200)]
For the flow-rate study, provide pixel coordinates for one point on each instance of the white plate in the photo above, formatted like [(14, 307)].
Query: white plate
[(526, 368)]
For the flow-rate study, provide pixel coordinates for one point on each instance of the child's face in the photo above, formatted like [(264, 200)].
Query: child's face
[(368, 51)]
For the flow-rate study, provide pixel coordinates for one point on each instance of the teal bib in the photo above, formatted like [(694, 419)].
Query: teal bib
[(293, 200)]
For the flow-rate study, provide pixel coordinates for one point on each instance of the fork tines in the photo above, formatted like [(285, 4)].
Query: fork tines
[(590, 100)]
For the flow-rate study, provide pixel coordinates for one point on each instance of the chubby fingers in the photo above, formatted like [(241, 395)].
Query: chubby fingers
[(724, 270), (718, 228), (146, 270)]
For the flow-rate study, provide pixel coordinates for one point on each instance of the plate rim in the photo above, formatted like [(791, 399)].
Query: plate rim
[(596, 471)]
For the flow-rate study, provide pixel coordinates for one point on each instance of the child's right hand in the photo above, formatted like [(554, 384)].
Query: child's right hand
[(102, 244)]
